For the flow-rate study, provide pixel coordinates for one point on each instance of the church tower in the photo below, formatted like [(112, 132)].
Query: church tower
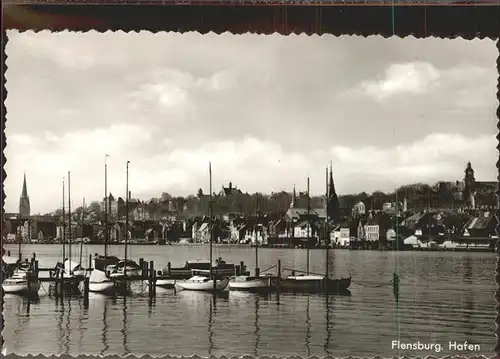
[(469, 185), (24, 201)]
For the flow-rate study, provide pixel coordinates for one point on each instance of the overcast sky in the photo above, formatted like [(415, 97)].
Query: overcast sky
[(266, 110)]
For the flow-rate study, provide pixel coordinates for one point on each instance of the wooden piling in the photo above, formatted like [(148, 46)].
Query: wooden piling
[(242, 268), (257, 272), (34, 257), (395, 285), (90, 261), (61, 285), (141, 265), (153, 282), (169, 269), (237, 269), (278, 275), (145, 270), (8, 253), (86, 292), (150, 283)]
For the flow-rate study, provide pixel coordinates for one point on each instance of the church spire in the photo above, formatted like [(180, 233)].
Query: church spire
[(294, 198), (24, 201), (25, 188)]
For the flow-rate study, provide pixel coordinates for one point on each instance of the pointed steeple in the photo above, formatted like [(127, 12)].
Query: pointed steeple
[(24, 201), (333, 206), (25, 188), (294, 198)]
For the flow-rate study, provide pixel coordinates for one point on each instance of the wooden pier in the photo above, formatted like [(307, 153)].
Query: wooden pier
[(64, 286)]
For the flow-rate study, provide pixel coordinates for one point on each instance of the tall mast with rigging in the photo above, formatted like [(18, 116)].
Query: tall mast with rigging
[(210, 223), (69, 219), (63, 236), (126, 222), (106, 228), (308, 225), (327, 232)]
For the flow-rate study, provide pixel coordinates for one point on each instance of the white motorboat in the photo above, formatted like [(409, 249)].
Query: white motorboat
[(100, 283), (252, 283), (18, 283), (203, 284)]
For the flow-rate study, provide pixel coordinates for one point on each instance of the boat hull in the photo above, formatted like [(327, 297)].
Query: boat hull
[(21, 288), (203, 285), (315, 285), (252, 284), (102, 287), (165, 283), (130, 273)]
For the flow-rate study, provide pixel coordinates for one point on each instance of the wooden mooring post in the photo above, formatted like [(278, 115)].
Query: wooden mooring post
[(395, 285), (145, 270), (151, 280), (86, 292), (169, 269), (60, 287), (278, 275), (90, 261), (141, 265)]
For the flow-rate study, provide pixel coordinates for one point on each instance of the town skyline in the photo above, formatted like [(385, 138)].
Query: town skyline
[(411, 114)]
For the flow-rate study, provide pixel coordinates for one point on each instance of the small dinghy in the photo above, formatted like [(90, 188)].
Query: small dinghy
[(19, 284)]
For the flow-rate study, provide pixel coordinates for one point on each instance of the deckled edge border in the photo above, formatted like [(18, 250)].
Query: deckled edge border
[(281, 26)]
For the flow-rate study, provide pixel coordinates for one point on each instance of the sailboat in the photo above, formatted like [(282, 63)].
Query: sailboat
[(317, 283), (72, 268), (23, 280), (255, 283), (68, 267), (199, 282), (126, 267), (99, 282)]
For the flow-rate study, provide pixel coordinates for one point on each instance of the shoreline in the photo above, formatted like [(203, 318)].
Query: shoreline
[(480, 249)]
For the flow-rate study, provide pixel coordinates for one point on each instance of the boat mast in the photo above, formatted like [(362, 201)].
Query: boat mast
[(81, 243), (63, 236), (69, 218), (210, 218), (257, 271), (308, 224), (106, 230), (126, 222), (327, 233)]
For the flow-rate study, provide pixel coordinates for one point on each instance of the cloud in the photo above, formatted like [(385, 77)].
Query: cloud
[(251, 164), (266, 110), (413, 78)]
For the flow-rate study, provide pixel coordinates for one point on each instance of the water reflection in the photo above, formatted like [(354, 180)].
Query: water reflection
[(211, 315), (308, 327), (81, 320), (104, 332), (256, 324), (60, 308), (67, 329), (125, 327), (328, 333)]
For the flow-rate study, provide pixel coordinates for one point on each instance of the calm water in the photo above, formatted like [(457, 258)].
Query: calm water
[(444, 296)]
